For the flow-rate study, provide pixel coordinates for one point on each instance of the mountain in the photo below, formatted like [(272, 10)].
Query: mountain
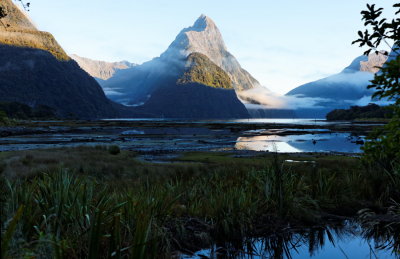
[(373, 63), (203, 91), (204, 37), (101, 69), (35, 70), (345, 87), (195, 69)]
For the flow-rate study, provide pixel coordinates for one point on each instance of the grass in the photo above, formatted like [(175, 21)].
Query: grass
[(52, 208), (33, 39)]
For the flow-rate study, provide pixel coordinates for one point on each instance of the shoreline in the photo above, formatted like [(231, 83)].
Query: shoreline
[(154, 137)]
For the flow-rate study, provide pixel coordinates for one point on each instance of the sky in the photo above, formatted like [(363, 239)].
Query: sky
[(283, 44)]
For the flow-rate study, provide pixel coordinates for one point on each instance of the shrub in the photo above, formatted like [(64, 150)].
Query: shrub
[(371, 111), (114, 150), (3, 117)]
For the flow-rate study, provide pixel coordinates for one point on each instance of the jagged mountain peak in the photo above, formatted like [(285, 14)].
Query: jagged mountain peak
[(202, 23), (204, 37)]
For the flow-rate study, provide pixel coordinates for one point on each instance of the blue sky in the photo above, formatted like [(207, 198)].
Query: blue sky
[(281, 43)]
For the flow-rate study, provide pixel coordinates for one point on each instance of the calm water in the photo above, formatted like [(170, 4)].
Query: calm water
[(327, 142), (250, 121), (348, 241), (247, 121), (164, 136)]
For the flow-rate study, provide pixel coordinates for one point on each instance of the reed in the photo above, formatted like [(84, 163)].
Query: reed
[(70, 214)]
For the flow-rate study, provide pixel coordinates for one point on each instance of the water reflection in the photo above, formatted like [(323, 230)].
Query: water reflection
[(264, 143), (337, 142), (190, 137), (341, 241)]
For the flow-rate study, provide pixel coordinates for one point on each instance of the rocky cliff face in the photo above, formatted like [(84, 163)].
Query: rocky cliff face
[(374, 62), (15, 18), (370, 63), (101, 69), (35, 70)]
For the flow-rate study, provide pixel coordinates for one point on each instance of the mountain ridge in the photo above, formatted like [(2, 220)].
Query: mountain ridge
[(22, 33), (350, 84), (101, 69)]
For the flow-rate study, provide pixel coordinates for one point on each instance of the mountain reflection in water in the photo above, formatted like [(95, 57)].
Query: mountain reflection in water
[(347, 240), (337, 142)]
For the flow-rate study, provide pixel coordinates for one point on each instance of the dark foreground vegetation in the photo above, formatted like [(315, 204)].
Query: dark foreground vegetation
[(15, 110), (370, 112), (99, 203)]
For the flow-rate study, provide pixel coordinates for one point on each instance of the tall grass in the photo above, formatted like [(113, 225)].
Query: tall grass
[(67, 215)]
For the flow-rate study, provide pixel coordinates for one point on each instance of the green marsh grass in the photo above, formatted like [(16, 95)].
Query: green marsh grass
[(137, 213)]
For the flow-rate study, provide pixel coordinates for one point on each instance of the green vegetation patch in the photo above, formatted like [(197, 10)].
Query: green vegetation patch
[(200, 69)]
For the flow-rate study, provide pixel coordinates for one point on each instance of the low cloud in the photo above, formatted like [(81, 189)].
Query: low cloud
[(355, 78), (367, 100), (262, 98), (111, 92)]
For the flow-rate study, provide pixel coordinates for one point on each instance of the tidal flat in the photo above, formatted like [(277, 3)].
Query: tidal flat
[(80, 198), (150, 137)]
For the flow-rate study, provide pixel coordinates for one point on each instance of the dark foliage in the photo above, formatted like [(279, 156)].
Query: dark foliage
[(371, 111), (114, 150), (3, 118), (17, 110), (383, 145)]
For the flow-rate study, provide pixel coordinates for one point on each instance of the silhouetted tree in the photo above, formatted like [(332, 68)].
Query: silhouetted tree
[(3, 14), (384, 144)]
